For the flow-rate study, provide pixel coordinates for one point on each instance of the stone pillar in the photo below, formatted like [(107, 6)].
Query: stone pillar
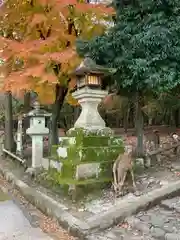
[(2, 138), (19, 138), (37, 151), (89, 100)]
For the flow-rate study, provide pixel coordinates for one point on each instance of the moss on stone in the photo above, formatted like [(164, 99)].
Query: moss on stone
[(86, 147)]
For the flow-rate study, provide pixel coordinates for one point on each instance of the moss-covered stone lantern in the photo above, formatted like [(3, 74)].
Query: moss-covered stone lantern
[(87, 152)]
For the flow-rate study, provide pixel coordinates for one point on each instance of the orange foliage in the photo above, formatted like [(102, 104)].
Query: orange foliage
[(38, 35)]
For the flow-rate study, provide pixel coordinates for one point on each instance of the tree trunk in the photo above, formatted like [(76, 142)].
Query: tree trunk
[(126, 118), (27, 108), (56, 108), (132, 115), (139, 126), (172, 120), (150, 121), (135, 116), (27, 102), (9, 140), (176, 117)]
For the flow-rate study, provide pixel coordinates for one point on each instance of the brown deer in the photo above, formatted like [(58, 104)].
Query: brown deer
[(153, 139), (175, 139), (121, 166)]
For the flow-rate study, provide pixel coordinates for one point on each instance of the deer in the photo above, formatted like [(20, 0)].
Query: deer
[(174, 140), (153, 139), (123, 165), (175, 137)]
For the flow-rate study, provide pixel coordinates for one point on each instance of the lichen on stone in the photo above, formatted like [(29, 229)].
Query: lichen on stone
[(84, 147)]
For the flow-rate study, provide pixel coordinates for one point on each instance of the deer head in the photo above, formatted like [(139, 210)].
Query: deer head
[(175, 137)]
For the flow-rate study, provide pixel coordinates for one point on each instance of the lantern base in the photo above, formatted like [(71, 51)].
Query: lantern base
[(106, 131), (89, 100), (82, 162)]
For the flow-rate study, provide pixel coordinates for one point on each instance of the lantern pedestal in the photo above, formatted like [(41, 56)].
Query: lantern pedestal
[(82, 162), (89, 100)]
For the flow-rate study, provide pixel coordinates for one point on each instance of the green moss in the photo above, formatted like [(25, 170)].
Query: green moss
[(81, 132), (86, 147)]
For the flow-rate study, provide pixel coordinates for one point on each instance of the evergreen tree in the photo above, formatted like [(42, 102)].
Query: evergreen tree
[(143, 45)]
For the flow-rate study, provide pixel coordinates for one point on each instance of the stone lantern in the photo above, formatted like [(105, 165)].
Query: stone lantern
[(89, 147), (37, 131), (89, 94)]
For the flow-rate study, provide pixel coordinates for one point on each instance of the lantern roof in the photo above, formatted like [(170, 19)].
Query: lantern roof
[(89, 66)]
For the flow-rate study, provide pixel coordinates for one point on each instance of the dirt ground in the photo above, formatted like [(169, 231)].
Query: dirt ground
[(163, 129)]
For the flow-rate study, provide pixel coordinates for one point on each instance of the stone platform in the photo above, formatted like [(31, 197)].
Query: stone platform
[(160, 222)]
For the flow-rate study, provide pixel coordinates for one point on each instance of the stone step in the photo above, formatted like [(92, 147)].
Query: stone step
[(119, 233), (173, 204), (158, 222)]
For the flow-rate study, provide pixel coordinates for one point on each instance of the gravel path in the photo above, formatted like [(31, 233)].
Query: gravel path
[(14, 224), (20, 220), (161, 222)]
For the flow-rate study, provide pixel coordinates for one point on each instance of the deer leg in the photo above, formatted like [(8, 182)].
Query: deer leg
[(133, 179), (115, 181), (121, 183)]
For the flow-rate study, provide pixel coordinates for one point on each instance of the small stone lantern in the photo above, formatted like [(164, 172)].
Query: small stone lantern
[(37, 131), (89, 94)]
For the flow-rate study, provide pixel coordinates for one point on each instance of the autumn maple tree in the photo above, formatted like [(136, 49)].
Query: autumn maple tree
[(38, 46)]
